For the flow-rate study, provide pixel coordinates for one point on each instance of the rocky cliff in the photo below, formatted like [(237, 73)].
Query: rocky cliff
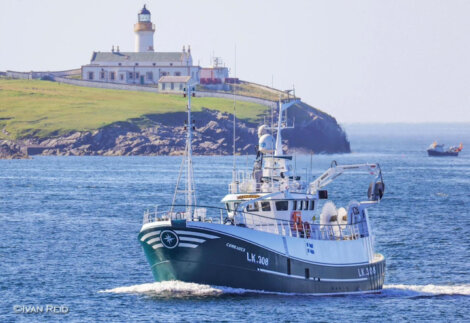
[(164, 134)]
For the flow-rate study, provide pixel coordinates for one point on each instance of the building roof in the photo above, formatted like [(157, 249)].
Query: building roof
[(151, 57), (144, 11), (214, 68), (174, 79)]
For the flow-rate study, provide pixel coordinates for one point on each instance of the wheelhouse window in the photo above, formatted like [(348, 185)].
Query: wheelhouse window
[(294, 205), (131, 75), (90, 75), (231, 206), (312, 205), (252, 207), (282, 205), (305, 205), (102, 75), (265, 206), (112, 75)]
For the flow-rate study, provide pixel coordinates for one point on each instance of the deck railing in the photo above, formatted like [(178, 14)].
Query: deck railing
[(306, 230), (330, 231)]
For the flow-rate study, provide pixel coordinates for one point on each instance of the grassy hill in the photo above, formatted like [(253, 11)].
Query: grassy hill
[(251, 89), (42, 108)]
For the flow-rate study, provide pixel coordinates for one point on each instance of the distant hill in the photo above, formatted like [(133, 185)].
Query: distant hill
[(50, 118), (34, 108)]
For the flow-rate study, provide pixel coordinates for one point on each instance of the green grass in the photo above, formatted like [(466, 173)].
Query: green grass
[(253, 90), (75, 76), (42, 108)]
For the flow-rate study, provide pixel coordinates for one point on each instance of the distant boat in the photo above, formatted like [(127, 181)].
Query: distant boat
[(439, 150)]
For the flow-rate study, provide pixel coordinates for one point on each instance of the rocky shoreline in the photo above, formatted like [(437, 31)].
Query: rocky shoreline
[(164, 134)]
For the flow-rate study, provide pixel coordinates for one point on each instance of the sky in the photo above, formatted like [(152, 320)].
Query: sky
[(377, 61)]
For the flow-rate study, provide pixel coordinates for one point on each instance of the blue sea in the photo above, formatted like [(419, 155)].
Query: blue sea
[(69, 230)]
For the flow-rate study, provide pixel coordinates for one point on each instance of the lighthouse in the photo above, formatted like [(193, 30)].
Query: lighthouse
[(144, 30), (145, 66)]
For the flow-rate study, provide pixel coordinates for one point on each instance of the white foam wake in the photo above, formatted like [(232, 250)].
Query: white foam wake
[(179, 289), (427, 290), (175, 289)]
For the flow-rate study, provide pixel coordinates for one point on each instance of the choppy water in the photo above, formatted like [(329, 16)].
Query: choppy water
[(69, 236)]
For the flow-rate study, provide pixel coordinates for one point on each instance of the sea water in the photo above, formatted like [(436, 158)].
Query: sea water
[(69, 230)]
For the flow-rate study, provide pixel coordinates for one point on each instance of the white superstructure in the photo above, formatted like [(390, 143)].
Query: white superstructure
[(273, 198)]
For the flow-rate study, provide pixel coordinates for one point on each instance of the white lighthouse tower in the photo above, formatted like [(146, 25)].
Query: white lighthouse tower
[(144, 30)]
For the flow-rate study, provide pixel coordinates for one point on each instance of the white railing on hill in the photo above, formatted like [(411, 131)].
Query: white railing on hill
[(58, 76), (104, 85)]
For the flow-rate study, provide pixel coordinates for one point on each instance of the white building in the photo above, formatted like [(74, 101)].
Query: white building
[(139, 68), (173, 83), (145, 66)]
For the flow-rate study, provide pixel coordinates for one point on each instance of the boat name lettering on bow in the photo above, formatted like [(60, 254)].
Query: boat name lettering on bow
[(253, 258), (229, 245)]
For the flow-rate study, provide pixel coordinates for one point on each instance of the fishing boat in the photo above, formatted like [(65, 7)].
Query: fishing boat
[(436, 150), (263, 236)]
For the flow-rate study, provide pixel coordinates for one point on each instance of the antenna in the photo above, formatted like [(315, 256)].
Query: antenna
[(283, 106), (311, 163), (295, 164)]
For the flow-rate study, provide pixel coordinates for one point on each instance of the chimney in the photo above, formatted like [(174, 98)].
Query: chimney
[(112, 49), (184, 49), (117, 49), (189, 49)]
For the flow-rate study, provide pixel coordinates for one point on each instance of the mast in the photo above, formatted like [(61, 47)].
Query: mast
[(187, 164), (234, 171), (283, 106), (278, 151), (189, 193)]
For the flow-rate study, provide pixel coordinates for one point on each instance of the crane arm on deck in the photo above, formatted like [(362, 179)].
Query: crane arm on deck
[(336, 170)]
